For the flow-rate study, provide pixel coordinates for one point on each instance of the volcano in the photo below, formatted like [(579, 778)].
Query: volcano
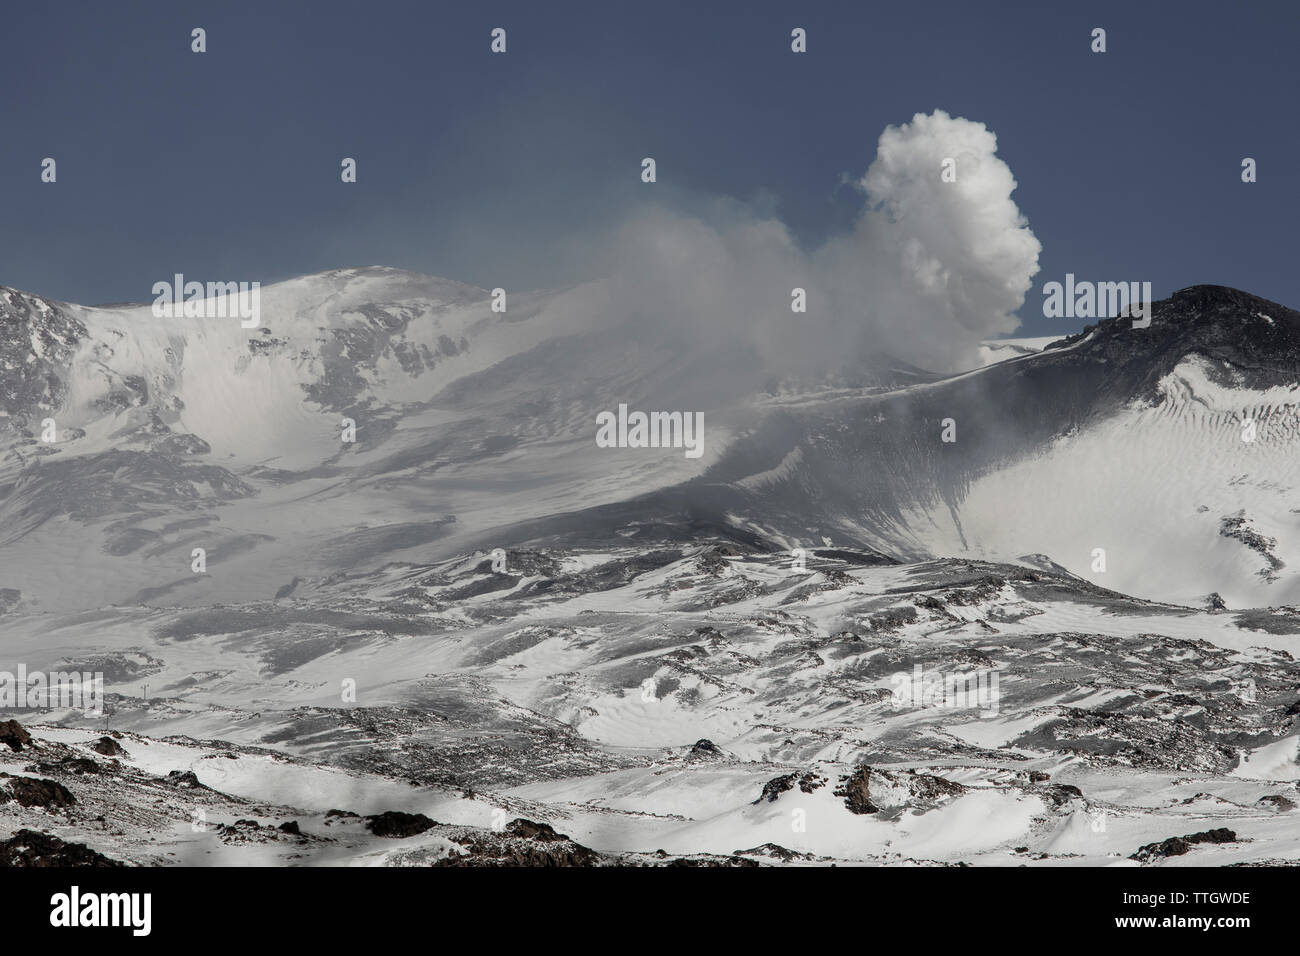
[(1172, 449), (429, 602), (1156, 461)]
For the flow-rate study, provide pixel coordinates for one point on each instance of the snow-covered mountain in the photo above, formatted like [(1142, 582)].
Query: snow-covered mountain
[(475, 429), (174, 434), (694, 704), (647, 665), (1174, 448)]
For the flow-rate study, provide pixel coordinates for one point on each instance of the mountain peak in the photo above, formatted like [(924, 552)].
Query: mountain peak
[(1258, 338), (1222, 298)]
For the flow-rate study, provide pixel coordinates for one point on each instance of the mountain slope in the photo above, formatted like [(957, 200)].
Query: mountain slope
[(475, 429), (691, 701), (356, 677), (1127, 440)]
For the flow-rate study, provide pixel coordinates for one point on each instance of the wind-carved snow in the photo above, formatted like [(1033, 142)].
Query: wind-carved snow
[(1151, 486), (623, 642), (474, 426), (465, 419), (574, 689)]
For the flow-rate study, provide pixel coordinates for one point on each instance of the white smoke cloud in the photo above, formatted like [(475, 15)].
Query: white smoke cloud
[(953, 259), (930, 269)]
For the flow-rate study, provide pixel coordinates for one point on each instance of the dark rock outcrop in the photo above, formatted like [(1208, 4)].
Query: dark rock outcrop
[(77, 765), (1062, 793), (14, 735), (107, 746), (522, 843), (1177, 846), (856, 791), (35, 792), (705, 748), (397, 825), (30, 848), (808, 782), (776, 786)]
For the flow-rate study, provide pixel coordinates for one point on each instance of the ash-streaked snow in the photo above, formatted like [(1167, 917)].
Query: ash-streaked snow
[(652, 670)]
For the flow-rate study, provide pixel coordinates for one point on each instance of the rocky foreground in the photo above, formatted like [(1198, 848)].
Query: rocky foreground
[(702, 705)]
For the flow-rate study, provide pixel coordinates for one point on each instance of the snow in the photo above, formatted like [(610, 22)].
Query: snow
[(1180, 466), (534, 695), (999, 350), (1277, 761)]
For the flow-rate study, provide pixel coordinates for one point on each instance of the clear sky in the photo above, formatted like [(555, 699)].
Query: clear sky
[(500, 170)]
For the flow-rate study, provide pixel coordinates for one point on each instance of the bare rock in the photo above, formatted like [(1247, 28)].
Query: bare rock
[(30, 848), (396, 824), (34, 792), (15, 735), (107, 746)]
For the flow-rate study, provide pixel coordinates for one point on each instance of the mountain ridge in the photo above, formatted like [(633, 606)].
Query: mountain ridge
[(474, 430)]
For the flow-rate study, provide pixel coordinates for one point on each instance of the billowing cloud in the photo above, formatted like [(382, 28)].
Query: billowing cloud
[(952, 259), (930, 269)]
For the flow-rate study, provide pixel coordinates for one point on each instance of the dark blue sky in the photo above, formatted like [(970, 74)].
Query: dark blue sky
[(498, 170)]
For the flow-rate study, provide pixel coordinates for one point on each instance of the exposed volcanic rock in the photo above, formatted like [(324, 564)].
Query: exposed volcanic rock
[(396, 824), (534, 831), (775, 601), (73, 765), (775, 787), (29, 848), (37, 338), (32, 792), (523, 843), (108, 747), (808, 782), (14, 735), (777, 852), (856, 791), (1232, 327), (1177, 846), (801, 716), (704, 749), (1062, 793)]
